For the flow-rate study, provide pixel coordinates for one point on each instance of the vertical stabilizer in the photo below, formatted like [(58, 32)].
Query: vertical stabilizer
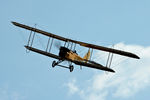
[(87, 56)]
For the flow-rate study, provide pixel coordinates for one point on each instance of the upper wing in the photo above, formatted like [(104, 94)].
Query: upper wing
[(120, 52), (39, 31)]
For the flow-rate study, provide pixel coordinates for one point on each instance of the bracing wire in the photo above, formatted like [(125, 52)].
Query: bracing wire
[(25, 40), (40, 41), (120, 61)]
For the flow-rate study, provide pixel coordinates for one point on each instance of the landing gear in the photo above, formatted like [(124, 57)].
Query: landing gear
[(54, 63), (71, 68)]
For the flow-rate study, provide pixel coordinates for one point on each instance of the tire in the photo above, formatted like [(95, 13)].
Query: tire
[(54, 64), (71, 68)]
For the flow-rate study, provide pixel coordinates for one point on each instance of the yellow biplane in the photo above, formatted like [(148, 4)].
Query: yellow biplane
[(69, 54)]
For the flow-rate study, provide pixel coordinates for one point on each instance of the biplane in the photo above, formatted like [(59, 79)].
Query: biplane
[(68, 53)]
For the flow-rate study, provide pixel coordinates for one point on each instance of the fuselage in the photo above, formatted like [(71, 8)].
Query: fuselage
[(69, 54)]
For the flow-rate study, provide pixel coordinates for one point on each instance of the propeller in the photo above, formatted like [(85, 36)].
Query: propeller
[(57, 44)]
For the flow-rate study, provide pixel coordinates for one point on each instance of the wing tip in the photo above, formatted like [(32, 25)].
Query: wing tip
[(14, 23), (111, 70), (137, 57)]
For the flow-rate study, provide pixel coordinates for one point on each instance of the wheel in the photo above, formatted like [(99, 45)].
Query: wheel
[(71, 68), (54, 63)]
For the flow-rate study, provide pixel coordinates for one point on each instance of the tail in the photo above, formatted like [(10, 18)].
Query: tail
[(87, 55)]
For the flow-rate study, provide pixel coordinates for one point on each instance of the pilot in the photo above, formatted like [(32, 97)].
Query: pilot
[(75, 51)]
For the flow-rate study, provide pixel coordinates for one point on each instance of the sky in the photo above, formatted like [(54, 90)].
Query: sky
[(122, 23)]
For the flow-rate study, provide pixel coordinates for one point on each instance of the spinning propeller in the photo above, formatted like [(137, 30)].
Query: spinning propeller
[(57, 45)]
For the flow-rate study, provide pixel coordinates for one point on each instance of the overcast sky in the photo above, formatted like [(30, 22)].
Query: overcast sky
[(29, 76)]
